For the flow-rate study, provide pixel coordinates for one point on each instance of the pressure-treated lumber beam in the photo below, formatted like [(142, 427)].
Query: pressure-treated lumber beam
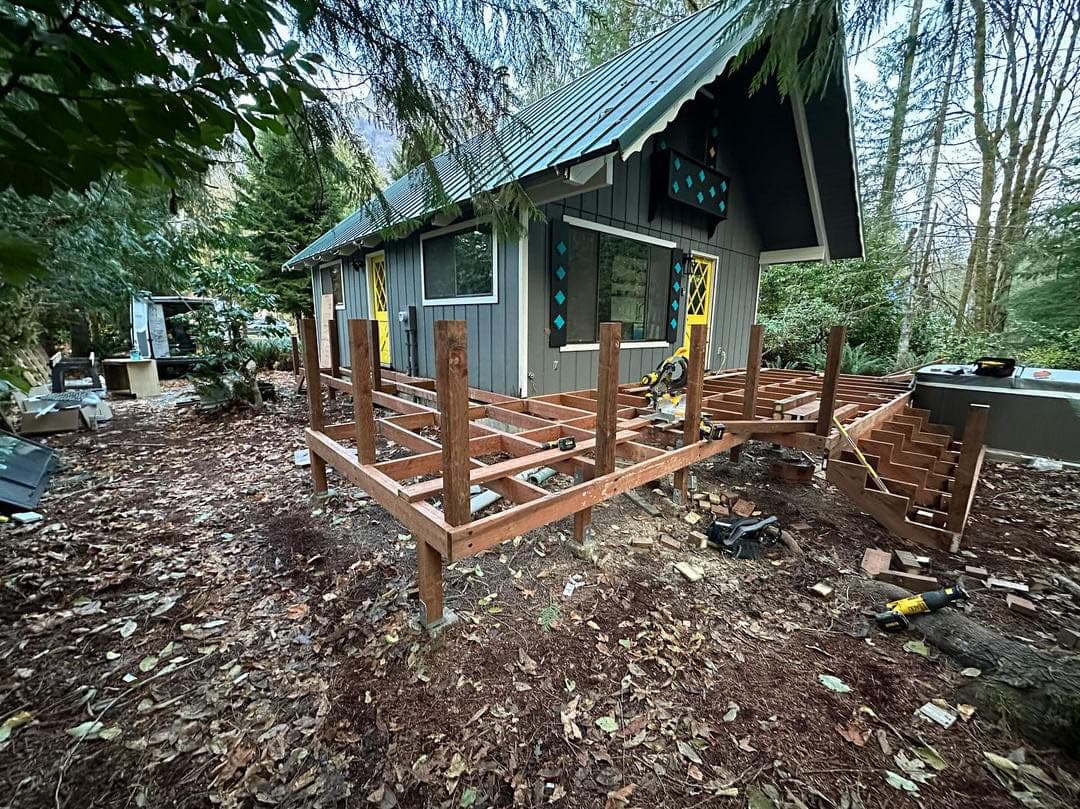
[(363, 410), (452, 384), (607, 391), (750, 383), (310, 336), (695, 373), (968, 467), (832, 377)]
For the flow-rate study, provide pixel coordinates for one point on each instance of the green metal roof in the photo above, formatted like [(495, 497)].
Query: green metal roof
[(615, 106)]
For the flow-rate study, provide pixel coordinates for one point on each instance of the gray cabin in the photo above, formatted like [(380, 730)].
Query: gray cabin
[(666, 188)]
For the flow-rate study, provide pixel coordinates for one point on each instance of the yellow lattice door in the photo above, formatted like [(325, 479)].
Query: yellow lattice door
[(380, 307), (699, 293)]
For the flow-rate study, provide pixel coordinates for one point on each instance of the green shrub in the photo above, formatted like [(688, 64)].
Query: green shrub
[(271, 353), (855, 360), (1027, 342)]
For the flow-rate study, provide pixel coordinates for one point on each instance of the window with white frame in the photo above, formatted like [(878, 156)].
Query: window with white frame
[(459, 266), (617, 279)]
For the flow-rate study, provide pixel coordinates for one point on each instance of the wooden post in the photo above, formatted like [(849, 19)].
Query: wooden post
[(335, 355), (452, 389), (363, 411), (309, 332), (607, 414), (695, 381), (968, 467), (376, 365), (753, 373), (296, 369), (827, 407)]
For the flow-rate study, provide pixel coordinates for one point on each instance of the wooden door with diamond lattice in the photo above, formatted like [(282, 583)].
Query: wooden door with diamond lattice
[(699, 292), (380, 306)]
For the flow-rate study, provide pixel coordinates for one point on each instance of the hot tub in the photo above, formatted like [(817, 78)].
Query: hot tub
[(1035, 411)]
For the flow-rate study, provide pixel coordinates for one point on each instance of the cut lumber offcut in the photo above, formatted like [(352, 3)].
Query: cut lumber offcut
[(1068, 585), (1033, 690), (1005, 584), (1021, 605), (912, 581), (874, 561)]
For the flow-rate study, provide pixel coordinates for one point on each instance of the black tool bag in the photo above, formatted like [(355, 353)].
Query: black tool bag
[(744, 538), (998, 367)]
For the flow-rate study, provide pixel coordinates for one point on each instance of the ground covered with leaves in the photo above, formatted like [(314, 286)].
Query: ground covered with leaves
[(186, 628)]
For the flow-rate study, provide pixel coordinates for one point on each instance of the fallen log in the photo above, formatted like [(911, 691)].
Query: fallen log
[(1034, 692)]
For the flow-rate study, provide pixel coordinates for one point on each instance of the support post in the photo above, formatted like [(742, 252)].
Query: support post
[(310, 334), (607, 414), (296, 369), (376, 366), (452, 389), (753, 373), (968, 467), (363, 410), (695, 382), (827, 407), (335, 355)]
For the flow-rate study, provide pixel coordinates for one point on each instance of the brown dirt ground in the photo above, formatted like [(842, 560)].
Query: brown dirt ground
[(241, 646)]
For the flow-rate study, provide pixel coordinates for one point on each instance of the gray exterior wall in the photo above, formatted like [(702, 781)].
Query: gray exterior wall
[(625, 204), (492, 327)]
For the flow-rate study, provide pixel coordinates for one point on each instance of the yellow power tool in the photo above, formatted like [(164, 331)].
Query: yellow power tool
[(895, 617), (667, 378)]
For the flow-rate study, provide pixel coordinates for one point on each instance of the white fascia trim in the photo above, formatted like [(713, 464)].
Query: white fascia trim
[(581, 173), (462, 301), (613, 231), (572, 347), (806, 152), (671, 112), (792, 256), (523, 307)]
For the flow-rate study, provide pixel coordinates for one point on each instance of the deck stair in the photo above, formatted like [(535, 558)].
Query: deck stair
[(930, 476)]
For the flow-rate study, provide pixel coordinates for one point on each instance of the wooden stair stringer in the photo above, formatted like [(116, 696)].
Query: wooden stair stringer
[(890, 510)]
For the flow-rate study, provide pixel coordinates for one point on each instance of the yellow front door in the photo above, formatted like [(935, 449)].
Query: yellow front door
[(380, 307), (699, 293)]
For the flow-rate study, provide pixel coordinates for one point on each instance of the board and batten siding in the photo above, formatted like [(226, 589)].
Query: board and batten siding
[(625, 204), (354, 288), (492, 327)]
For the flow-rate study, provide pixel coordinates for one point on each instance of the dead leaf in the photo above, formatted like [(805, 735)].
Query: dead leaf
[(688, 752), (853, 733), (619, 798), (298, 612)]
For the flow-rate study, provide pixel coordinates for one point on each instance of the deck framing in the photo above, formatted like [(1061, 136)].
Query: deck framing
[(619, 447)]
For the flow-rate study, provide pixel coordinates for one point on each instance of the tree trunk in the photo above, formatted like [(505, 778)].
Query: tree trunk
[(920, 263), (900, 108), (1035, 692)]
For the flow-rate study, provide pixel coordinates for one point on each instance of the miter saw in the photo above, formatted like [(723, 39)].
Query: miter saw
[(667, 393)]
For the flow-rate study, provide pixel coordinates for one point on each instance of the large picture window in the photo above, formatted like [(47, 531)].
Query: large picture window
[(616, 279), (459, 267)]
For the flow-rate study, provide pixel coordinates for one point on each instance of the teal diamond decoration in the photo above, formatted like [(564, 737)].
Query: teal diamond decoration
[(663, 144), (715, 131), (712, 191), (723, 185), (723, 206), (689, 181), (701, 175), (678, 267), (561, 248), (674, 323), (559, 322), (676, 286), (678, 164), (560, 297), (675, 306), (560, 273), (675, 185), (700, 197)]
